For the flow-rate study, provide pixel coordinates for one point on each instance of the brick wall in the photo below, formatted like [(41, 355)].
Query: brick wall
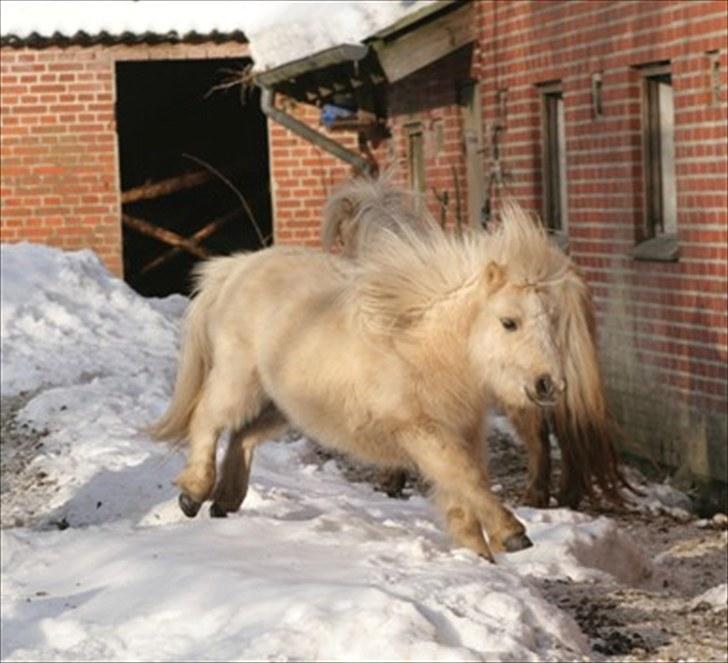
[(429, 99), (662, 325), (59, 182), (302, 177)]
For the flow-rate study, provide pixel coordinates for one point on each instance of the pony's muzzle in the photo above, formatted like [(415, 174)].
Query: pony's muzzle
[(545, 391), (545, 387)]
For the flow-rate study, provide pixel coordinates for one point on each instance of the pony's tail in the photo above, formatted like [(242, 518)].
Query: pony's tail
[(363, 207), (338, 224), (195, 357), (583, 425)]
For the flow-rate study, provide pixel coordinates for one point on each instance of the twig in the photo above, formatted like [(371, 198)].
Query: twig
[(235, 190), (458, 210), (443, 199), (242, 77)]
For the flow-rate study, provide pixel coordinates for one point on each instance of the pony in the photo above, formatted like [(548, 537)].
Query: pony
[(354, 217), (392, 358)]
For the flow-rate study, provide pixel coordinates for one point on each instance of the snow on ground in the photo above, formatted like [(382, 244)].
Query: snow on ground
[(716, 597), (278, 32), (313, 567)]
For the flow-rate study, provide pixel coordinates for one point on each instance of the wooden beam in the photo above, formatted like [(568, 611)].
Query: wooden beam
[(200, 235), (164, 235), (422, 46), (164, 187)]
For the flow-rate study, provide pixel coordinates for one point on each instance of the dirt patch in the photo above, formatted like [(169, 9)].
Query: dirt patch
[(23, 487)]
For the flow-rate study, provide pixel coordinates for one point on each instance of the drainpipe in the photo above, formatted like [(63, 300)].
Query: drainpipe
[(267, 98)]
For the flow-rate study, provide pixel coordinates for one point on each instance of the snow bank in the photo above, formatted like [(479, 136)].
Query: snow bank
[(312, 568), (716, 597), (278, 31), (59, 309)]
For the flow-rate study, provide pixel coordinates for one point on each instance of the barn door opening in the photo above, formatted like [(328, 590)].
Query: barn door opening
[(194, 169)]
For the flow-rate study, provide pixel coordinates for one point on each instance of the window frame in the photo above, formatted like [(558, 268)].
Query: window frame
[(416, 157), (657, 240), (554, 167), (658, 167)]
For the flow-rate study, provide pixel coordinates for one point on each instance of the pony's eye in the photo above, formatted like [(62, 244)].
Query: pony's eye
[(509, 324)]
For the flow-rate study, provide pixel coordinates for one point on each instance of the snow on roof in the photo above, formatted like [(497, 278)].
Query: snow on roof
[(278, 32)]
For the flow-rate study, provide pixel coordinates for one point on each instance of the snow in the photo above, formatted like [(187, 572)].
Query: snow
[(313, 567), (278, 32), (716, 597)]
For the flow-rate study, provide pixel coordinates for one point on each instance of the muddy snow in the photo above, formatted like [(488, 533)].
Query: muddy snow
[(99, 564)]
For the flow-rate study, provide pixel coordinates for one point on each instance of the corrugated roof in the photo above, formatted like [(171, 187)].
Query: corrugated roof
[(277, 32), (103, 38)]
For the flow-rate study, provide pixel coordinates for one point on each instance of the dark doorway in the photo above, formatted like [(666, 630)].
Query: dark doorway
[(166, 110)]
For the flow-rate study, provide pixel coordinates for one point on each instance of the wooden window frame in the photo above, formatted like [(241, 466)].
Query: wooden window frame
[(658, 236), (416, 158), (553, 150), (658, 219)]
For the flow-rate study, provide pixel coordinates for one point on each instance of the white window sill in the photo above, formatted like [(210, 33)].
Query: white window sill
[(664, 248)]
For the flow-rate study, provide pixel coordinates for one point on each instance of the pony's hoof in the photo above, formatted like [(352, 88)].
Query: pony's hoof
[(517, 542), (216, 511), (569, 498), (188, 505), (537, 499)]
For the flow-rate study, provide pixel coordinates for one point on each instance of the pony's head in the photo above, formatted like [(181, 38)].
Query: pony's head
[(481, 291), (514, 331), (511, 341)]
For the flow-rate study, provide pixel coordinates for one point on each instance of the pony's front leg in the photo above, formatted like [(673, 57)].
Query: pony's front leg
[(456, 468), (463, 524), (530, 424)]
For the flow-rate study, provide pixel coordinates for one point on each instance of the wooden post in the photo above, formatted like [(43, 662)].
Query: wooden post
[(164, 187), (164, 235), (201, 234)]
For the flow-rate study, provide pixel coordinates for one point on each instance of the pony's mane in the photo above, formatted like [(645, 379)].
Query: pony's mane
[(408, 268)]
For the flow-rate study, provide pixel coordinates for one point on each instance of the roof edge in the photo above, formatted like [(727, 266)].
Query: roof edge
[(104, 38)]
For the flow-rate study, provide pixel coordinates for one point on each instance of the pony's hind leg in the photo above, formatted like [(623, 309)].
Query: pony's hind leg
[(532, 428), (229, 398), (233, 485)]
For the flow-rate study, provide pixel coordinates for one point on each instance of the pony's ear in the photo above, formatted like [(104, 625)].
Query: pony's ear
[(493, 276)]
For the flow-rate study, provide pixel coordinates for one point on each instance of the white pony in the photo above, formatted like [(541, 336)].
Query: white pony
[(392, 358), (355, 216)]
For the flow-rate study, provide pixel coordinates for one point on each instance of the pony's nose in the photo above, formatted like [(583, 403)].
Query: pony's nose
[(545, 386)]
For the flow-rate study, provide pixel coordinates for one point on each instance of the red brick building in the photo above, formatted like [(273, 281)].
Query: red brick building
[(608, 118), (86, 118), (611, 120)]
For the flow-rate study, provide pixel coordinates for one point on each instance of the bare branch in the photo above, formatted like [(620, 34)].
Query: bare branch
[(235, 190)]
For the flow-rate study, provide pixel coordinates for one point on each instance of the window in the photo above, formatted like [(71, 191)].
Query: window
[(555, 206), (416, 157), (659, 153)]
